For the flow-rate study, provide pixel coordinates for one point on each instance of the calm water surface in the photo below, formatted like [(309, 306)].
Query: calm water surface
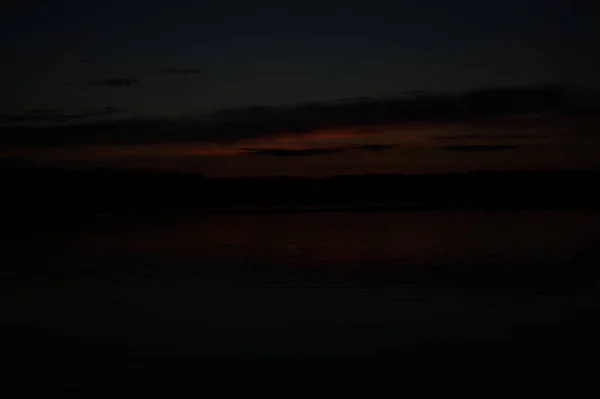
[(320, 283)]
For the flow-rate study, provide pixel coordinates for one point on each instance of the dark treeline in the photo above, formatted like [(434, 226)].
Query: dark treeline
[(28, 191)]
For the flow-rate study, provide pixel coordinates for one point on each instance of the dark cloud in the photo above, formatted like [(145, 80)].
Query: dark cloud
[(42, 111), (54, 115), (115, 82), (87, 61), (457, 137), (496, 136), (238, 124), (521, 136), (375, 147), (470, 107), (479, 148), (286, 152), (181, 71), (352, 99)]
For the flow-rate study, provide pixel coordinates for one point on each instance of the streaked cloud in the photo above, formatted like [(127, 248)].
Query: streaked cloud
[(55, 115), (479, 148), (114, 82), (181, 71), (285, 152), (505, 114), (376, 147), (295, 152)]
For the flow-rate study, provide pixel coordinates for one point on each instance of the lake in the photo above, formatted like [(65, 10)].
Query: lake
[(313, 285)]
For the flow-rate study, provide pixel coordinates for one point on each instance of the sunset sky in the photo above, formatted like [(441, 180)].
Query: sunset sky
[(230, 88)]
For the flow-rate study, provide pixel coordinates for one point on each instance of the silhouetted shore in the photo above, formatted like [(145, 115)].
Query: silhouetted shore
[(93, 192)]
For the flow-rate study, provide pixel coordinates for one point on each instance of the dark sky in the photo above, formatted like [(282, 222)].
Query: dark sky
[(91, 61)]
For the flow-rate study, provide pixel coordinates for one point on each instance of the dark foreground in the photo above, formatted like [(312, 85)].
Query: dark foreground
[(485, 303), (557, 361)]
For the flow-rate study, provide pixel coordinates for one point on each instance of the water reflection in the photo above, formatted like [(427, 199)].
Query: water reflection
[(307, 283), (336, 244)]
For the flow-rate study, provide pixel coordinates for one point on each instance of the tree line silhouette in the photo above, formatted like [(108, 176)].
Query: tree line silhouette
[(61, 192)]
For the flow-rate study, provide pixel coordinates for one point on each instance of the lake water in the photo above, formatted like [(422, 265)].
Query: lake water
[(311, 283)]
